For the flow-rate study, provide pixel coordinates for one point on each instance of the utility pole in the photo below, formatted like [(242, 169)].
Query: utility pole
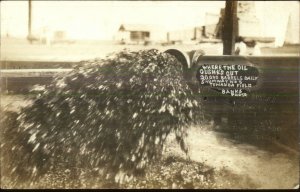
[(229, 27), (29, 35)]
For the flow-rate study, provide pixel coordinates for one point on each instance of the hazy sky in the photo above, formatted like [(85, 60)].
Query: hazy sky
[(101, 19)]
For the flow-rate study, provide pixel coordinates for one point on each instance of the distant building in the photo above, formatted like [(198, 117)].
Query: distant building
[(185, 35), (248, 27), (50, 36), (292, 32), (210, 31), (129, 33), (257, 22), (213, 25), (276, 23)]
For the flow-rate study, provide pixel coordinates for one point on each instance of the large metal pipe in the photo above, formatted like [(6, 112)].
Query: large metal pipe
[(186, 58)]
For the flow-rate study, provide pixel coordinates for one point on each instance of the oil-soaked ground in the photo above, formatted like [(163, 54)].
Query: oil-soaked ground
[(212, 154)]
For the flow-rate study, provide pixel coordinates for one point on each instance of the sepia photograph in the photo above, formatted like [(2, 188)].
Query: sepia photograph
[(149, 94)]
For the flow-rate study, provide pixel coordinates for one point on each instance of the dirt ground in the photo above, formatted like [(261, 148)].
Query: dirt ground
[(265, 169), (246, 166), (20, 49)]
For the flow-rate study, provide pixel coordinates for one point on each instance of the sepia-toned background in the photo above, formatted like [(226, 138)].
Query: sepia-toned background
[(65, 31), (86, 29)]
